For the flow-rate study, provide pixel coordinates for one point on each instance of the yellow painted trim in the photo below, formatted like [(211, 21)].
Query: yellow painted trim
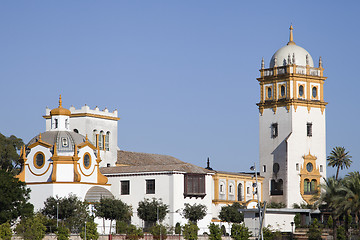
[(37, 183), (266, 93), (279, 92), (90, 161), (298, 91), (40, 142), (317, 92), (86, 143), (87, 175), (227, 189), (313, 175), (88, 115), (218, 201), (216, 186), (34, 160), (40, 173)]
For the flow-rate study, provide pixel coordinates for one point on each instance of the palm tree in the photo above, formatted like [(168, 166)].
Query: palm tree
[(351, 198), (339, 158)]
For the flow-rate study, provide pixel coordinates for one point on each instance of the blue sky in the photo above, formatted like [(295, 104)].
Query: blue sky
[(182, 74)]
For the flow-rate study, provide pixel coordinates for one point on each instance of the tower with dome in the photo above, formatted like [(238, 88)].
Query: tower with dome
[(292, 125)]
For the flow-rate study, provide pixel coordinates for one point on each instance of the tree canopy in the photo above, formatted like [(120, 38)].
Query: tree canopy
[(71, 211), (9, 158), (230, 213), (14, 196), (152, 210), (339, 158), (113, 209), (195, 212)]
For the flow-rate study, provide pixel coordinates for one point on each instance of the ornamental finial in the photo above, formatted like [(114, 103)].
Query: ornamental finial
[(291, 38), (262, 63), (60, 102), (320, 62)]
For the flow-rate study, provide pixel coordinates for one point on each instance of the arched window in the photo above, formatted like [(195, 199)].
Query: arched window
[(307, 187), (313, 186), (240, 192), (107, 138), (101, 140), (276, 187), (95, 142)]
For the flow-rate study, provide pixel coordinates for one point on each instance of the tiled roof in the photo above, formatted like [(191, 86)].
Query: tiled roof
[(134, 162)]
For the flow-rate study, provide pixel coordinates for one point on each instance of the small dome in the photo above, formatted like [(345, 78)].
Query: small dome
[(65, 140), (291, 54), (60, 110)]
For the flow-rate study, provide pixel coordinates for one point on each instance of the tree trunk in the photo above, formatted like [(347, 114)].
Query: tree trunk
[(110, 226), (337, 173)]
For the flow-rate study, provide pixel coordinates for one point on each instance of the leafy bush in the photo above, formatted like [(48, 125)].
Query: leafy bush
[(91, 231), (297, 220), (330, 222), (276, 205), (315, 230), (121, 227), (134, 233), (230, 213), (215, 232), (190, 231), (341, 233), (63, 233), (240, 232), (177, 228), (31, 228), (5, 231), (159, 232), (195, 212)]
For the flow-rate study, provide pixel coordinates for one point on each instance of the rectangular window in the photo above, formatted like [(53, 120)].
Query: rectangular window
[(321, 168), (248, 190), (297, 167), (264, 168), (309, 129), (194, 185), (274, 130), (150, 186), (125, 187)]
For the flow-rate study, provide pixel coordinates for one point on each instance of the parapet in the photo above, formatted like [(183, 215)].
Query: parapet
[(86, 111)]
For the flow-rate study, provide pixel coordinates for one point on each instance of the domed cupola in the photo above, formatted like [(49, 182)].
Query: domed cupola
[(291, 54), (60, 118)]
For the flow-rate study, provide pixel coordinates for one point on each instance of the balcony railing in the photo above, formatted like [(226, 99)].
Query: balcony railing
[(290, 70)]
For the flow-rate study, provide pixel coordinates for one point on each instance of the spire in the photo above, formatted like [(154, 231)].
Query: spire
[(39, 136), (320, 62), (60, 102), (262, 63), (291, 39), (208, 164)]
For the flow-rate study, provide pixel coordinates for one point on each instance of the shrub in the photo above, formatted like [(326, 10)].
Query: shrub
[(91, 231), (121, 227), (177, 228), (297, 220), (190, 231), (330, 222), (240, 232), (31, 228), (134, 233), (159, 232), (341, 233), (215, 232), (5, 231), (315, 231), (63, 233)]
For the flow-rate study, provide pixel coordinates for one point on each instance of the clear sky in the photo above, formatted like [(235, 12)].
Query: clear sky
[(182, 74)]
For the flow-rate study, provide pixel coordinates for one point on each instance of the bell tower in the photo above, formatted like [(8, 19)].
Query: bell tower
[(292, 125)]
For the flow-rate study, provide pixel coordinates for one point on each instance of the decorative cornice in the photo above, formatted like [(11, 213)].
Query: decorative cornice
[(87, 115)]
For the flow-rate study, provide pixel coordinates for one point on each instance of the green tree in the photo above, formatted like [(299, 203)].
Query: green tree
[(113, 209), (351, 198), (177, 228), (134, 233), (230, 213), (91, 231), (341, 233), (195, 212), (14, 196), (340, 159), (159, 232), (71, 211), (215, 232), (5, 231), (9, 157), (121, 227), (240, 232), (31, 228), (152, 210), (330, 222), (190, 231), (62, 233), (315, 231)]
